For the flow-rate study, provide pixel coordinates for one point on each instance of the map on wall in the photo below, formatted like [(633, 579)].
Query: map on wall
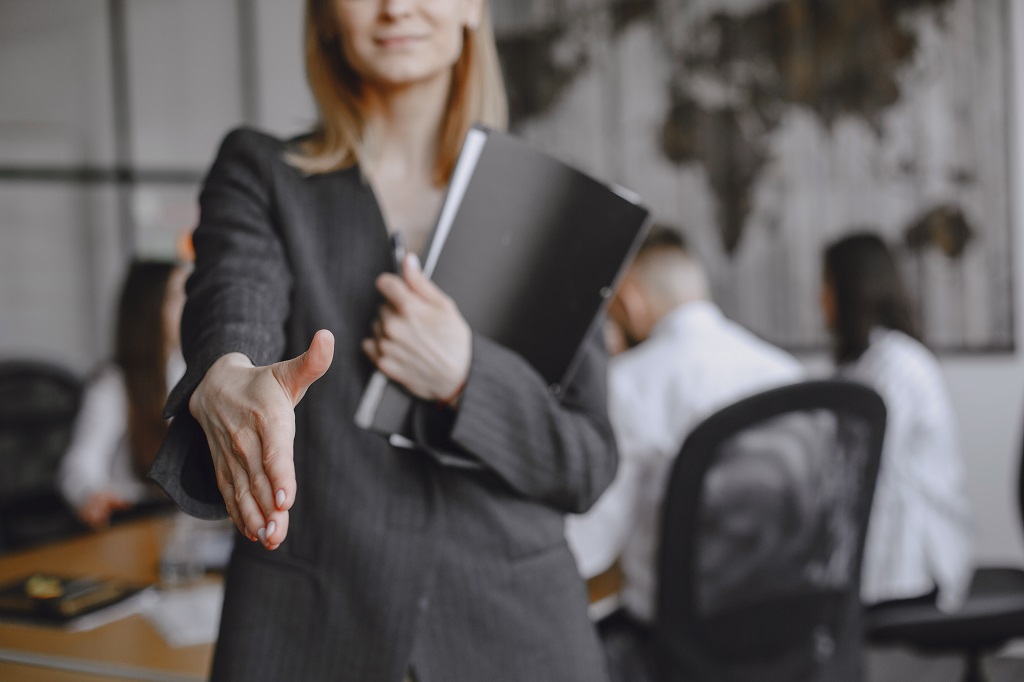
[(765, 129)]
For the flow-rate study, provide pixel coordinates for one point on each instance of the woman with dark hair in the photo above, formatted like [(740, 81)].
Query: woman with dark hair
[(120, 426), (918, 542)]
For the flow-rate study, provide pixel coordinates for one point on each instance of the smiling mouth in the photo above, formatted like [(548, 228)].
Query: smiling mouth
[(398, 42)]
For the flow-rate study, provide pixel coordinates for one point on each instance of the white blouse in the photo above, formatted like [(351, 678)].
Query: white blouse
[(98, 457), (919, 536)]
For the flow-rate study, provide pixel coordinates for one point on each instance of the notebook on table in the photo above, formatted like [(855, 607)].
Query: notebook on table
[(68, 601)]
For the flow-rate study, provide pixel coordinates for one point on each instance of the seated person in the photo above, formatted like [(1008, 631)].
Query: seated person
[(120, 425), (686, 361), (919, 535)]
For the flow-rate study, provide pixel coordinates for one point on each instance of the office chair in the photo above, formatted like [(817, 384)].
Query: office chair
[(38, 404), (992, 614), (762, 533)]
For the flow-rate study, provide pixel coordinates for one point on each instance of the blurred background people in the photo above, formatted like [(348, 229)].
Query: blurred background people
[(120, 425), (919, 534), (685, 360)]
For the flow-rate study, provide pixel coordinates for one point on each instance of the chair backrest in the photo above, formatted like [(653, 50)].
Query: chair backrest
[(38, 404), (1020, 485), (762, 534)]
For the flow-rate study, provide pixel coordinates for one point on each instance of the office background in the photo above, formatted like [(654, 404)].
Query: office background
[(110, 111), (769, 128)]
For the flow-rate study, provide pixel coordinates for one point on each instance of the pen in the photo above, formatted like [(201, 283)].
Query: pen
[(398, 250)]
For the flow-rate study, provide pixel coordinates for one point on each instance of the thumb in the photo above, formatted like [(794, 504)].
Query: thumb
[(297, 374)]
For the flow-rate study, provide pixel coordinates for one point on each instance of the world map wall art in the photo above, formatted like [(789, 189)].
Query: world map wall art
[(765, 129)]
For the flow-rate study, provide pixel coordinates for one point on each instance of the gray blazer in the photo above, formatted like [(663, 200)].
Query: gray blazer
[(395, 559)]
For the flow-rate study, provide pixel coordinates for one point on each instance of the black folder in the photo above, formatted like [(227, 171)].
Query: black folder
[(530, 249)]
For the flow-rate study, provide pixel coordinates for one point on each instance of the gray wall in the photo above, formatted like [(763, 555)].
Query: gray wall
[(63, 244)]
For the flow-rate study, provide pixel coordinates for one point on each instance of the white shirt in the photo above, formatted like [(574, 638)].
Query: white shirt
[(98, 457), (919, 534), (694, 363)]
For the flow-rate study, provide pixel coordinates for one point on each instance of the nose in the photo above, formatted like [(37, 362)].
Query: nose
[(396, 8)]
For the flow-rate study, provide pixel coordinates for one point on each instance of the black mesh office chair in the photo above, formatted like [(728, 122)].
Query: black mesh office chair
[(762, 534), (38, 404), (992, 615)]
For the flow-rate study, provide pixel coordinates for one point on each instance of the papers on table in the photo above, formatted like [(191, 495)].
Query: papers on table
[(137, 603), (188, 616)]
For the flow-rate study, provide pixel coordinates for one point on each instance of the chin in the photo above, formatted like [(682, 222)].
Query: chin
[(408, 67), (405, 77)]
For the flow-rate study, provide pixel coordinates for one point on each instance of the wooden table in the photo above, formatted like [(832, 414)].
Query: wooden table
[(126, 649), (129, 648)]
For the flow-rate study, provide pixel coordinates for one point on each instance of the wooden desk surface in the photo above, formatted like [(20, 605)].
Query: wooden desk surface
[(128, 647), (31, 673)]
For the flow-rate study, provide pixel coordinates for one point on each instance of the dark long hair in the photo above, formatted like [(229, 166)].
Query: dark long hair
[(868, 291), (140, 352)]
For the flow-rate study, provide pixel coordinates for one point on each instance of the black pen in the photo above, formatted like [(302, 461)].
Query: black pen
[(398, 251)]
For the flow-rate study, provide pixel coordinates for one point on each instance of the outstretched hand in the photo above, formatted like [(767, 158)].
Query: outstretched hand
[(420, 339), (248, 416)]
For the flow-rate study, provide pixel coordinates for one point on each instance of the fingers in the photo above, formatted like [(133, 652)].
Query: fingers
[(401, 292), (276, 531), (95, 513), (262, 480), (386, 329), (390, 325), (390, 357), (238, 461), (276, 482), (395, 291), (372, 350), (419, 283), (248, 512), (225, 483), (297, 374)]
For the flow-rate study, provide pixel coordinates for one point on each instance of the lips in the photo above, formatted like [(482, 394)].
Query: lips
[(398, 42)]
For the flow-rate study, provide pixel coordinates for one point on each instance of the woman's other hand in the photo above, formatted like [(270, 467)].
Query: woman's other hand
[(421, 339), (100, 506), (248, 416)]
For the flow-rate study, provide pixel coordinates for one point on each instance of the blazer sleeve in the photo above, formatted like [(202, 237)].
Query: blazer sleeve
[(558, 449), (238, 301)]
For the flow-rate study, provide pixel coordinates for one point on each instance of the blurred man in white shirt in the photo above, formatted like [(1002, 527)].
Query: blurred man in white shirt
[(686, 361)]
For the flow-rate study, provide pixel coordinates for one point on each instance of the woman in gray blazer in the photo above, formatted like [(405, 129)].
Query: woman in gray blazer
[(398, 564)]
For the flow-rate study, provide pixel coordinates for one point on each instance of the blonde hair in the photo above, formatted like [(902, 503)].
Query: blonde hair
[(341, 140)]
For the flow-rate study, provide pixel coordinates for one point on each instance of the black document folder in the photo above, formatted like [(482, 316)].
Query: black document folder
[(530, 249)]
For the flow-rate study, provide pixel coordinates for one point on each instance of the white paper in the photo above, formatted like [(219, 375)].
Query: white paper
[(188, 616), (137, 603)]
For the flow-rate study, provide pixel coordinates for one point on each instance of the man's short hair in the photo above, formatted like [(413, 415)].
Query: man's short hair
[(664, 236), (668, 269)]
